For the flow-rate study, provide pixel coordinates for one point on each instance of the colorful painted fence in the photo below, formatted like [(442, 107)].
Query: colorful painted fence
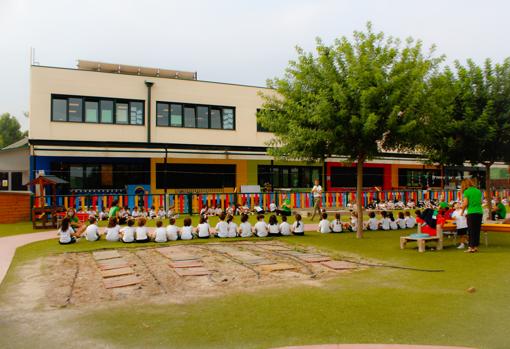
[(193, 203)]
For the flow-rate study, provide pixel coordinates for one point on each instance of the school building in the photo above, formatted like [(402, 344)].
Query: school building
[(112, 128)]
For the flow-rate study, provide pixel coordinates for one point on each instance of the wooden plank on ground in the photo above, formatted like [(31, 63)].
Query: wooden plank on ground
[(315, 259), (339, 265), (121, 281), (277, 267), (100, 255), (116, 263), (192, 271), (258, 261), (187, 264), (176, 255), (117, 272)]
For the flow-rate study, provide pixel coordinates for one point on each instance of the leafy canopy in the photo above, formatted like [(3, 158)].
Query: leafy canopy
[(9, 130)]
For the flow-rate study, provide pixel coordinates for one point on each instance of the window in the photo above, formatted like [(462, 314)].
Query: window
[(193, 176), (345, 177), (75, 109), (121, 113), (4, 180), (176, 115), (161, 114), (418, 178), (91, 111), (228, 119), (189, 116), (76, 176), (136, 111), (202, 117), (216, 118), (106, 112), (17, 181), (59, 110), (287, 176)]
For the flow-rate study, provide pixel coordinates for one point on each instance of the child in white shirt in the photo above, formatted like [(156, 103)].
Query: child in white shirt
[(203, 228), (161, 213), (298, 228), (135, 214), (127, 234), (222, 227), (187, 230), (66, 233), (273, 228), (92, 231), (160, 232), (353, 226), (336, 224), (232, 227), (245, 227), (461, 223), (372, 223), (260, 227), (385, 221), (172, 231), (401, 222), (141, 232), (285, 227), (324, 227), (410, 220), (112, 230), (393, 223)]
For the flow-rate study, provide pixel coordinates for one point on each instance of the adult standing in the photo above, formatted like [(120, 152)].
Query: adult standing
[(317, 199), (472, 202)]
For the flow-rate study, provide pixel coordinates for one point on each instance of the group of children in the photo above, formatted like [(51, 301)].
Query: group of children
[(137, 231)]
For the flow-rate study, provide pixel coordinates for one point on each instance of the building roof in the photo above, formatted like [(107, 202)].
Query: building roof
[(47, 179), (22, 143), (135, 70)]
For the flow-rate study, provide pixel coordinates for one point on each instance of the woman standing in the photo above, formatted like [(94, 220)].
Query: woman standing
[(473, 203)]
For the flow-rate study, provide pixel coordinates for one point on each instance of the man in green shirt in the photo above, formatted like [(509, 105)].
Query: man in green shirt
[(499, 211)]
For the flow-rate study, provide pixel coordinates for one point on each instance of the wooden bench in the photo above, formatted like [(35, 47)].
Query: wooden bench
[(421, 241)]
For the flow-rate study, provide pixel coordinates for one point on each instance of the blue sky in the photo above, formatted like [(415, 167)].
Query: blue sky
[(231, 41)]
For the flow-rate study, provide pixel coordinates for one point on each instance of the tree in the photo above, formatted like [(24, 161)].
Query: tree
[(355, 98), (9, 130)]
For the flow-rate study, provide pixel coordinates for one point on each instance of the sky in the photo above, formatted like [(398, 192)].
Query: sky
[(242, 42)]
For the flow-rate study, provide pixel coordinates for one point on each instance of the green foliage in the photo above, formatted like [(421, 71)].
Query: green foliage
[(9, 130)]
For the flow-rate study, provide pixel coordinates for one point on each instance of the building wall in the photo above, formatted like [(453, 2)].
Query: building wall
[(46, 81), (15, 207), (16, 160)]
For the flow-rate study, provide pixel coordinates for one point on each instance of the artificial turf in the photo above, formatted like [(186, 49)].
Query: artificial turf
[(378, 305)]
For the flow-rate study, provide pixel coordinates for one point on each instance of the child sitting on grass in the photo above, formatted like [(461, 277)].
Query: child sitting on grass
[(285, 227), (203, 228), (127, 234), (393, 223), (172, 231), (298, 228), (353, 225), (410, 220), (222, 227), (372, 223), (112, 230), (401, 222), (273, 228), (232, 227), (336, 224), (160, 232), (260, 227), (187, 230), (245, 227), (66, 233), (324, 227), (92, 231), (384, 224), (141, 232)]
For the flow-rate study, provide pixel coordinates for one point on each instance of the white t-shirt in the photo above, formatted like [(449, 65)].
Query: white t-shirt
[(187, 233), (128, 234), (460, 220), (232, 230), (92, 232), (272, 207), (112, 234), (172, 232), (135, 214), (245, 229), (285, 228), (401, 223), (317, 191), (385, 223), (324, 227), (336, 226), (298, 229), (393, 225), (160, 235), (203, 230), (141, 233), (65, 235), (354, 223), (273, 229), (373, 224), (222, 229), (260, 229), (410, 222)]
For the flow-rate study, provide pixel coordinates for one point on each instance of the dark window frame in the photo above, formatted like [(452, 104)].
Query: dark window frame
[(276, 175), (98, 100)]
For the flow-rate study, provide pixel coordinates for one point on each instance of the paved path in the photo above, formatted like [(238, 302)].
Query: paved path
[(9, 244), (371, 346)]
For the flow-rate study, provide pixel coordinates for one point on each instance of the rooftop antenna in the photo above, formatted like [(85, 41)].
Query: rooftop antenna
[(33, 61)]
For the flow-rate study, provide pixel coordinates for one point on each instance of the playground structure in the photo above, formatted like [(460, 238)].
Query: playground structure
[(45, 208)]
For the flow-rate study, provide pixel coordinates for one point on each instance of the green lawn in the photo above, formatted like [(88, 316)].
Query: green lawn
[(379, 305)]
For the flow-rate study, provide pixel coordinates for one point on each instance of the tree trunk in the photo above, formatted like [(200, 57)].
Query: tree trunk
[(359, 196), (488, 192)]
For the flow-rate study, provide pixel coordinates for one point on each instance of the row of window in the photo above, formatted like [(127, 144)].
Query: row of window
[(97, 110), (287, 176), (195, 116)]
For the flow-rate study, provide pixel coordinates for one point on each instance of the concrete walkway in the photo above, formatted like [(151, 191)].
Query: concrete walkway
[(371, 346), (9, 244)]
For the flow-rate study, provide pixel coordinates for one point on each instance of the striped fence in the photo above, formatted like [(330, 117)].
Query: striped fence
[(193, 202)]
